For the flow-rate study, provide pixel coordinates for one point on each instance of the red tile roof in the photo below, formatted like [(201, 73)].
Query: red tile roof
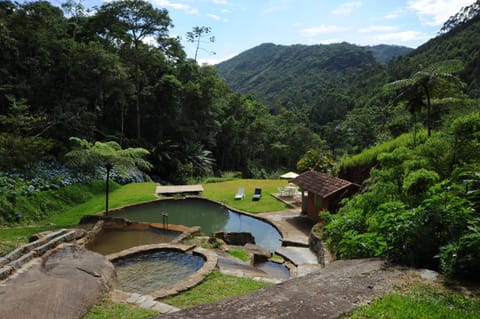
[(321, 184)]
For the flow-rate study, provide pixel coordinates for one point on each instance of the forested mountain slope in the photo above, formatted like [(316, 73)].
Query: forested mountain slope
[(297, 75), (462, 42), (385, 53)]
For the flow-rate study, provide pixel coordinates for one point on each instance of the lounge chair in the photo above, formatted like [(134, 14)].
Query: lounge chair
[(240, 193), (257, 194)]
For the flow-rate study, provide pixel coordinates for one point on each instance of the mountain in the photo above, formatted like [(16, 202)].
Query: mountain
[(385, 53), (298, 75)]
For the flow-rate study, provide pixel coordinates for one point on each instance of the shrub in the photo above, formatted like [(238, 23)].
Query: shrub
[(462, 258), (355, 245)]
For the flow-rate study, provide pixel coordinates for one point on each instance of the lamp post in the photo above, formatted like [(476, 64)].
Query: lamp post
[(108, 167)]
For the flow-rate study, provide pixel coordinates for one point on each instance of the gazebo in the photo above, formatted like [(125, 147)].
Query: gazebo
[(324, 192)]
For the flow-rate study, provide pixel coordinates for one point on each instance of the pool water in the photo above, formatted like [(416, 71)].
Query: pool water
[(147, 272), (211, 217), (114, 240), (274, 269)]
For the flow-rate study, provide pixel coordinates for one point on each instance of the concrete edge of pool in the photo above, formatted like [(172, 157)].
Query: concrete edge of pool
[(182, 285)]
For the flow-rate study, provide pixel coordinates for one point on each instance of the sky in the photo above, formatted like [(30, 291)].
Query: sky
[(239, 25)]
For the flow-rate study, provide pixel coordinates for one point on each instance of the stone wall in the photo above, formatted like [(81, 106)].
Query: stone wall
[(317, 246), (20, 256)]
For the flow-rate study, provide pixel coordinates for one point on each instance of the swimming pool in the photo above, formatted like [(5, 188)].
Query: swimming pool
[(210, 216)]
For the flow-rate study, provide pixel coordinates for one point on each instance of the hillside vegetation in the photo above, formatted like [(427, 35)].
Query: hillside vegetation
[(298, 75)]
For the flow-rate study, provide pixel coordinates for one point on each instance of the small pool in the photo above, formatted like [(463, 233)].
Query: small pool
[(147, 272), (110, 241), (211, 217)]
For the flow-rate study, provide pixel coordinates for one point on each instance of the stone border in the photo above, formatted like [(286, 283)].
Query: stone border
[(182, 285)]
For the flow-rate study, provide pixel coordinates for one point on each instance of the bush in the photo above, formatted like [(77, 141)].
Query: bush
[(355, 245), (462, 258)]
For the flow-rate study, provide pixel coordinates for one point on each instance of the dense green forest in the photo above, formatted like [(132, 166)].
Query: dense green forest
[(73, 79), (67, 73)]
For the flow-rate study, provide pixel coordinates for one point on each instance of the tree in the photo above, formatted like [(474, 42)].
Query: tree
[(421, 87), (135, 20), (89, 156), (197, 35), (317, 161)]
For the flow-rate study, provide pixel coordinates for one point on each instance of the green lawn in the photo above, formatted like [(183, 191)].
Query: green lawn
[(215, 287), (426, 301), (225, 192), (109, 310), (122, 196)]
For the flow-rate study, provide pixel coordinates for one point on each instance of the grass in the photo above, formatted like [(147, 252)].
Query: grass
[(239, 253), (215, 287), (426, 301), (370, 155), (122, 196), (224, 192), (108, 309), (277, 258)]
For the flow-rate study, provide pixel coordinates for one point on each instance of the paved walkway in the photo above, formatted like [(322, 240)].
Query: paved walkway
[(295, 229)]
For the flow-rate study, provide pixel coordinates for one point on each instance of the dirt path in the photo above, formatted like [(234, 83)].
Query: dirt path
[(335, 290)]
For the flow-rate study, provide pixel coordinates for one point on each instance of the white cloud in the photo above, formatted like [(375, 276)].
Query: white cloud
[(275, 9), (378, 28), (176, 5), (329, 41), (404, 36), (322, 29), (347, 8), (276, 6), (208, 61), (225, 2), (436, 12), (213, 16), (394, 14)]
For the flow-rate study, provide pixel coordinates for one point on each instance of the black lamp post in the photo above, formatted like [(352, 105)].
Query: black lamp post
[(108, 167)]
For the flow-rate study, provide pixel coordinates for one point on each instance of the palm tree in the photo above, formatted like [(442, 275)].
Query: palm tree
[(88, 156), (420, 88)]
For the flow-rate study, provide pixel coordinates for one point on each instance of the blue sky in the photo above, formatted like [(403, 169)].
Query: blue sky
[(239, 25)]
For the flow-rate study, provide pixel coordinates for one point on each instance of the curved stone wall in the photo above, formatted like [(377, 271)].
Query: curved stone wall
[(182, 285)]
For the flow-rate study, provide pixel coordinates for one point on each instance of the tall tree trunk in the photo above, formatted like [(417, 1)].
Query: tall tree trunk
[(429, 112)]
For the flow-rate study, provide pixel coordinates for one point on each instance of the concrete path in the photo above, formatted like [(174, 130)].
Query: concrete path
[(298, 255), (295, 228)]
